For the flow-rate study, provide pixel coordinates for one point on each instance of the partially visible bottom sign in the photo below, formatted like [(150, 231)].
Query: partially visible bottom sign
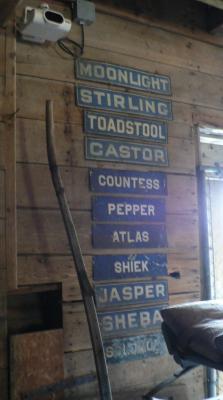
[(134, 348)]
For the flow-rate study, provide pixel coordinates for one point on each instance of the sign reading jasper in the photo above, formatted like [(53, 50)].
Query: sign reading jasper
[(131, 293), (122, 76)]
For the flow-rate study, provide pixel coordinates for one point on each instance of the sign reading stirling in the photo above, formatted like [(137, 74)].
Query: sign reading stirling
[(114, 294), (128, 127), (122, 181), (104, 99), (108, 236), (128, 209), (134, 348), (122, 76), (125, 152), (129, 266), (129, 321)]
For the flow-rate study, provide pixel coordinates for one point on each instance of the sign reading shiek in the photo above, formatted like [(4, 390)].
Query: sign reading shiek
[(105, 99), (118, 267), (116, 75)]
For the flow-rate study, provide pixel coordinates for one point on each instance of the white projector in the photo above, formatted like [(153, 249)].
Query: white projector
[(41, 24)]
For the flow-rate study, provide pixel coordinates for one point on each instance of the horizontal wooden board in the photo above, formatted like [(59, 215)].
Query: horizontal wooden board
[(34, 181), (63, 94), (31, 148), (131, 383), (42, 232), (34, 270), (188, 52), (179, 77)]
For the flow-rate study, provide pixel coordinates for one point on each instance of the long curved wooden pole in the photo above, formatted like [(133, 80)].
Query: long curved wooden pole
[(85, 286)]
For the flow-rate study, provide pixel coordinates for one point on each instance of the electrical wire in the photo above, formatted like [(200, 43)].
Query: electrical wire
[(70, 46)]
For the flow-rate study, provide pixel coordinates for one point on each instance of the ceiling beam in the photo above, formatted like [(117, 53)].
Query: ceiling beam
[(7, 8), (213, 3)]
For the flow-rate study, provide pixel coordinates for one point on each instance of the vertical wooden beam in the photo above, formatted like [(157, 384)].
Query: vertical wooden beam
[(7, 8), (10, 155), (8, 251)]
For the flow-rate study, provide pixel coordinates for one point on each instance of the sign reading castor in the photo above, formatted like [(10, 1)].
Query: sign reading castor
[(125, 152)]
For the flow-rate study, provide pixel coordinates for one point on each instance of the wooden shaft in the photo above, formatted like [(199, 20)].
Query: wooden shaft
[(85, 286)]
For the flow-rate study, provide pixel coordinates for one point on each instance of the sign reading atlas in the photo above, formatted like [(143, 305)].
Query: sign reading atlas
[(116, 75), (105, 99), (118, 236)]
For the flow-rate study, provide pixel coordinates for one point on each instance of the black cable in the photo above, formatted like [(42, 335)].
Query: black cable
[(66, 45)]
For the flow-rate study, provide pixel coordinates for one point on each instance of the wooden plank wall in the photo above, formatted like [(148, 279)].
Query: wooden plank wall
[(43, 253)]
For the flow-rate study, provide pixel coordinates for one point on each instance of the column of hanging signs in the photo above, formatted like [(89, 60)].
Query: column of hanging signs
[(128, 206)]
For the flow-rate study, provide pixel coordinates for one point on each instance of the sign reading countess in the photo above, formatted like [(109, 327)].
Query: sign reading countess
[(122, 181)]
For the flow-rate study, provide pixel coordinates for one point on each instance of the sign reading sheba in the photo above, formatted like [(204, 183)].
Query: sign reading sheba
[(104, 99), (116, 75)]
